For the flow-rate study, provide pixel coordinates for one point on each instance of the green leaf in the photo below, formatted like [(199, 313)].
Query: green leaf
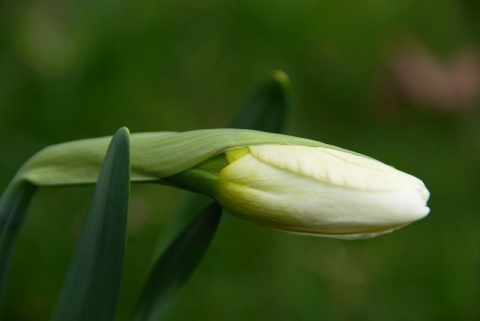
[(92, 285), (265, 109), (13, 208), (177, 263), (267, 106)]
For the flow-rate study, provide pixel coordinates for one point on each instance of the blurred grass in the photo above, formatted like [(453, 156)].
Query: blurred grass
[(71, 70)]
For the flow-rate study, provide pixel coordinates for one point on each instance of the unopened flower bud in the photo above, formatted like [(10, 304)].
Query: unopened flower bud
[(319, 191)]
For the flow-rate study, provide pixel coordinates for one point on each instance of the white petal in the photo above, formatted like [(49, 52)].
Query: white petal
[(295, 191), (336, 167)]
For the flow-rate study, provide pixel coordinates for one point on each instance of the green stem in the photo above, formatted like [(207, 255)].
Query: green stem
[(202, 178)]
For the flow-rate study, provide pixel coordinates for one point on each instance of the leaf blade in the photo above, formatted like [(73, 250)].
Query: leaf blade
[(265, 109), (13, 209), (177, 263), (267, 106), (92, 285)]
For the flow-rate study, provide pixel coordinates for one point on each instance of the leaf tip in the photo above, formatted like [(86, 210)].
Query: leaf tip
[(123, 131), (281, 77)]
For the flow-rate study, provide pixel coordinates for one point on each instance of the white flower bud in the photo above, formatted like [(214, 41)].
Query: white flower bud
[(319, 191)]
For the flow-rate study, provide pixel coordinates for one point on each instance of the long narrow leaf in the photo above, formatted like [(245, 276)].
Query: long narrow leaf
[(177, 263), (265, 109), (91, 289), (267, 106), (12, 212)]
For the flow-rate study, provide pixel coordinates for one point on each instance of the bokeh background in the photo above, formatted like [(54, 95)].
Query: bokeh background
[(396, 80)]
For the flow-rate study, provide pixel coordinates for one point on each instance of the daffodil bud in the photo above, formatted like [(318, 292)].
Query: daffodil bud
[(319, 191), (280, 182)]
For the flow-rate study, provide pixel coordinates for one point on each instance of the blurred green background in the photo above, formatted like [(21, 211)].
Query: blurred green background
[(396, 80)]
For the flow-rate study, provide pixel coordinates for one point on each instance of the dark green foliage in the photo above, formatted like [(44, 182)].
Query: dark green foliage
[(265, 109), (72, 70), (92, 285), (177, 263), (13, 205), (267, 106)]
